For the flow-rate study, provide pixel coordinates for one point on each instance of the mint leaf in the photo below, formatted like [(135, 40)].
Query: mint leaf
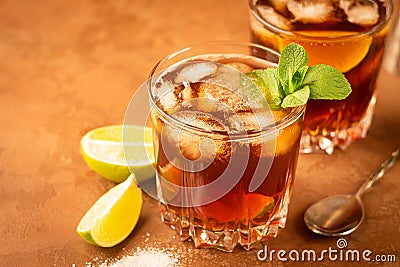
[(298, 98), (293, 82), (326, 82), (293, 57), (298, 77)]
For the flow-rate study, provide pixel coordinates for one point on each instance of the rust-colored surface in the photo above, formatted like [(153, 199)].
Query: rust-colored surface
[(67, 67)]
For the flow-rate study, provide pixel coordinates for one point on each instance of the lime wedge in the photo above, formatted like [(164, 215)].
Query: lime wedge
[(116, 151), (259, 204), (254, 205), (285, 140), (114, 215)]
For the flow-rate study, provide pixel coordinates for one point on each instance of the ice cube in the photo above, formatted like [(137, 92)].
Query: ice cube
[(279, 5), (195, 147), (189, 146), (230, 76), (221, 97), (234, 94), (257, 119), (199, 146), (242, 67), (251, 121), (196, 71), (168, 100), (187, 93), (361, 12), (269, 14), (226, 76), (200, 120), (311, 11)]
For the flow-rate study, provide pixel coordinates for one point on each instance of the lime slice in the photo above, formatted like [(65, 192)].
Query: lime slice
[(254, 205), (116, 151), (286, 139), (114, 215), (343, 55), (259, 204)]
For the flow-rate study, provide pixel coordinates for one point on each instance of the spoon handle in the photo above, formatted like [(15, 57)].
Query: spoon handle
[(383, 168)]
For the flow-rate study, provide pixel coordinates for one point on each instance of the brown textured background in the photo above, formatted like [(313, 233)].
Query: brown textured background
[(67, 67)]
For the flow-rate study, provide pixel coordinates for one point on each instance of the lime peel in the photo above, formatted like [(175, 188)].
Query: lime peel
[(113, 216), (115, 152)]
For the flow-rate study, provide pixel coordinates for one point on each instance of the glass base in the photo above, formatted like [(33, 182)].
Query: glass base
[(327, 141), (183, 221), (225, 240)]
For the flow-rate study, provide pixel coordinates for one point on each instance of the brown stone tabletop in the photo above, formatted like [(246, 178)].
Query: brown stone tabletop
[(67, 67)]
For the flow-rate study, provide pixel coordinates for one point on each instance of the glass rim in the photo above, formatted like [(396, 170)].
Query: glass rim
[(294, 114), (358, 35)]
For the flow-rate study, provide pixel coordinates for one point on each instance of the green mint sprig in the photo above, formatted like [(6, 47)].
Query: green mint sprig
[(293, 82)]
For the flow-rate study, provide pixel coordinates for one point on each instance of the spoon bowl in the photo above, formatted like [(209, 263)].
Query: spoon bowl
[(342, 214), (335, 216)]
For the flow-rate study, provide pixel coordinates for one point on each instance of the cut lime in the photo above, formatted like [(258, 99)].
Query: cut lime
[(344, 55), (114, 215), (254, 205), (285, 140), (116, 151), (259, 204)]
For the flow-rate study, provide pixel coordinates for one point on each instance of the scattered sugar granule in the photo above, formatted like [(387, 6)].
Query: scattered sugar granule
[(145, 258), (147, 237)]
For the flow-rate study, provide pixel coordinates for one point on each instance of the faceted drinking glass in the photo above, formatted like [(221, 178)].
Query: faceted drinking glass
[(347, 34), (225, 161)]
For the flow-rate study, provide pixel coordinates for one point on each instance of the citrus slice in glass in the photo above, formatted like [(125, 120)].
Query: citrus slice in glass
[(113, 216), (287, 138), (253, 205), (339, 50), (259, 204), (115, 152)]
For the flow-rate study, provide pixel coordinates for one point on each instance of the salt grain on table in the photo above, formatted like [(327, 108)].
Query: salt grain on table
[(145, 258)]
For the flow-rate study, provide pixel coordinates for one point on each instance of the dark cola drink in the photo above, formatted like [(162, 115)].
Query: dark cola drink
[(225, 162)]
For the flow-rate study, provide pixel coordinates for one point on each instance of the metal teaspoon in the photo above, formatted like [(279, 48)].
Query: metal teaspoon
[(342, 214)]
